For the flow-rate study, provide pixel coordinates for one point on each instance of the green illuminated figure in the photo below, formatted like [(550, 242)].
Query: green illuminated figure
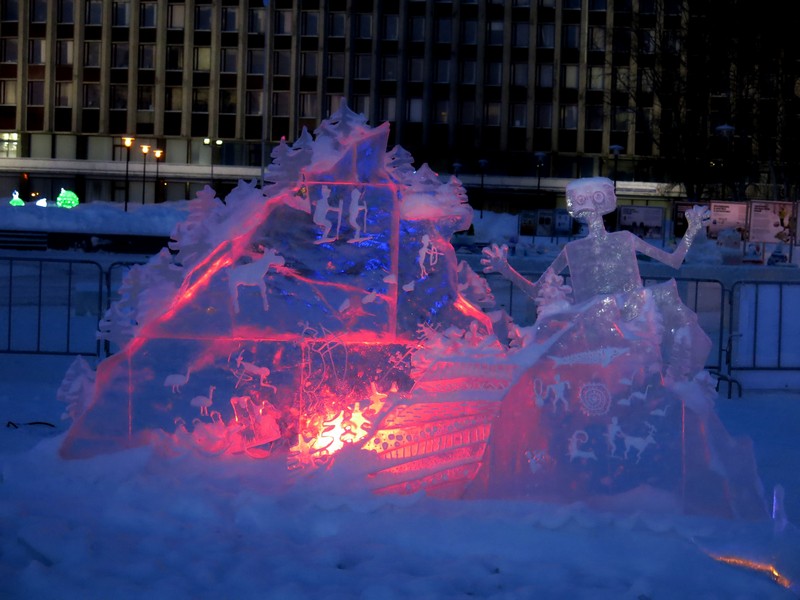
[(67, 199)]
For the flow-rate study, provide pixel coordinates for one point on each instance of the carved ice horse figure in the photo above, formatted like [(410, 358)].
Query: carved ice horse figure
[(252, 275)]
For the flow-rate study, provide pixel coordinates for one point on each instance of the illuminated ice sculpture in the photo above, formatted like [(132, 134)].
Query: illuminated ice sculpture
[(326, 318)]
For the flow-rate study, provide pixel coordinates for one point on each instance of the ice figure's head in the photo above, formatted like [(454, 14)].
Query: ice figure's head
[(590, 195)]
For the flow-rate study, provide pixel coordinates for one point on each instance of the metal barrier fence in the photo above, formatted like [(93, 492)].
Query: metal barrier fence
[(53, 306)]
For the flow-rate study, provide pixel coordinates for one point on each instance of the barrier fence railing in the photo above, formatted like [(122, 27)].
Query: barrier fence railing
[(53, 306)]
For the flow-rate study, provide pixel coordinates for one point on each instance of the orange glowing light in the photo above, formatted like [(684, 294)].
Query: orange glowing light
[(753, 565)]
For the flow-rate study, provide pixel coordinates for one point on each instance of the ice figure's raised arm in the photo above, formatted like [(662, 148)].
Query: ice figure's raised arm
[(697, 217), (495, 259)]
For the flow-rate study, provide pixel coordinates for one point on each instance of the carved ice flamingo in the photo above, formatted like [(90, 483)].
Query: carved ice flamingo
[(321, 216), (252, 275), (635, 396), (576, 440), (177, 380), (638, 443), (204, 402), (353, 211)]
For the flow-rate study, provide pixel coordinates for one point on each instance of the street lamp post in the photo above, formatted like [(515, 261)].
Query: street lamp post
[(540, 156), (483, 163), (213, 144), (157, 153), (145, 150), (615, 150), (128, 141), (726, 132)]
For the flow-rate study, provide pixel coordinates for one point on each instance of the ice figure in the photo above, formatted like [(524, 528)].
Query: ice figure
[(389, 352)]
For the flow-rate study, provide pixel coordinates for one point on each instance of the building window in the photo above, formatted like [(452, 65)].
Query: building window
[(253, 102), (9, 50), (8, 92), (597, 39), (415, 69), (176, 16), (361, 105), (147, 14), (572, 4), (38, 11), (256, 20), (521, 35), (202, 17), (494, 33), (569, 77), (519, 74), (598, 5), (64, 52), (468, 112), (442, 112), (118, 97), (336, 65), (10, 10), (546, 35), (36, 93), (230, 18), (469, 72), (282, 63), (228, 59), (443, 70), (492, 116), (572, 37), (444, 30), (543, 118), (255, 60), (389, 68), (94, 12), (174, 58), (417, 29), (414, 110), (568, 118), (91, 54), (63, 97), (309, 105), (119, 56), (388, 109), (36, 51), (597, 78), (622, 40), (621, 119), (147, 56), (120, 14), (173, 99), (469, 32), (519, 115), (622, 79), (594, 117), (364, 26), (202, 59), (363, 66), (544, 75), (309, 23), (280, 104), (227, 102), (309, 65), (391, 27), (200, 100), (494, 73), (91, 95), (647, 41), (144, 97), (283, 22), (646, 80), (336, 24)]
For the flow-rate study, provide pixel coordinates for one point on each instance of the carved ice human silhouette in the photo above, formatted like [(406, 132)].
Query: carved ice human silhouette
[(324, 343)]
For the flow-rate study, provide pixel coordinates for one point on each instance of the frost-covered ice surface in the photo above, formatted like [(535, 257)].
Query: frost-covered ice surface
[(137, 524)]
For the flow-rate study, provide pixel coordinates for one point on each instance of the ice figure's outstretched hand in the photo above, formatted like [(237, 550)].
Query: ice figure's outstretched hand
[(697, 217), (495, 258)]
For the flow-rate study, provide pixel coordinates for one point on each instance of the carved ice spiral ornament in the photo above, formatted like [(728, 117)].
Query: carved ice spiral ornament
[(595, 399)]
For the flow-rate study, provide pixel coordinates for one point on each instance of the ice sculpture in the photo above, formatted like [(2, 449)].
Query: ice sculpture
[(326, 318)]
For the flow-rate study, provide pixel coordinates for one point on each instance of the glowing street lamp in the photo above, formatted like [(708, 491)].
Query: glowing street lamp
[(128, 141), (615, 150), (158, 153), (213, 144), (145, 150)]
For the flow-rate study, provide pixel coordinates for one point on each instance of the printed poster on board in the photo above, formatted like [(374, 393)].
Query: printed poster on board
[(680, 224), (645, 221), (771, 222), (727, 215)]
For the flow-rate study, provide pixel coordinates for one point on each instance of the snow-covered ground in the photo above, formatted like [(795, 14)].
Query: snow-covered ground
[(141, 524)]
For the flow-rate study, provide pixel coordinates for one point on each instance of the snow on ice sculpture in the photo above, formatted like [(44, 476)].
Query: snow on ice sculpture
[(275, 325)]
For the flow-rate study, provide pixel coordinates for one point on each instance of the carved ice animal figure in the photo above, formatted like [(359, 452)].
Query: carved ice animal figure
[(638, 443), (612, 433), (252, 275), (204, 402), (254, 370), (355, 208), (559, 391), (635, 396), (177, 380), (660, 412), (576, 440), (321, 216)]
